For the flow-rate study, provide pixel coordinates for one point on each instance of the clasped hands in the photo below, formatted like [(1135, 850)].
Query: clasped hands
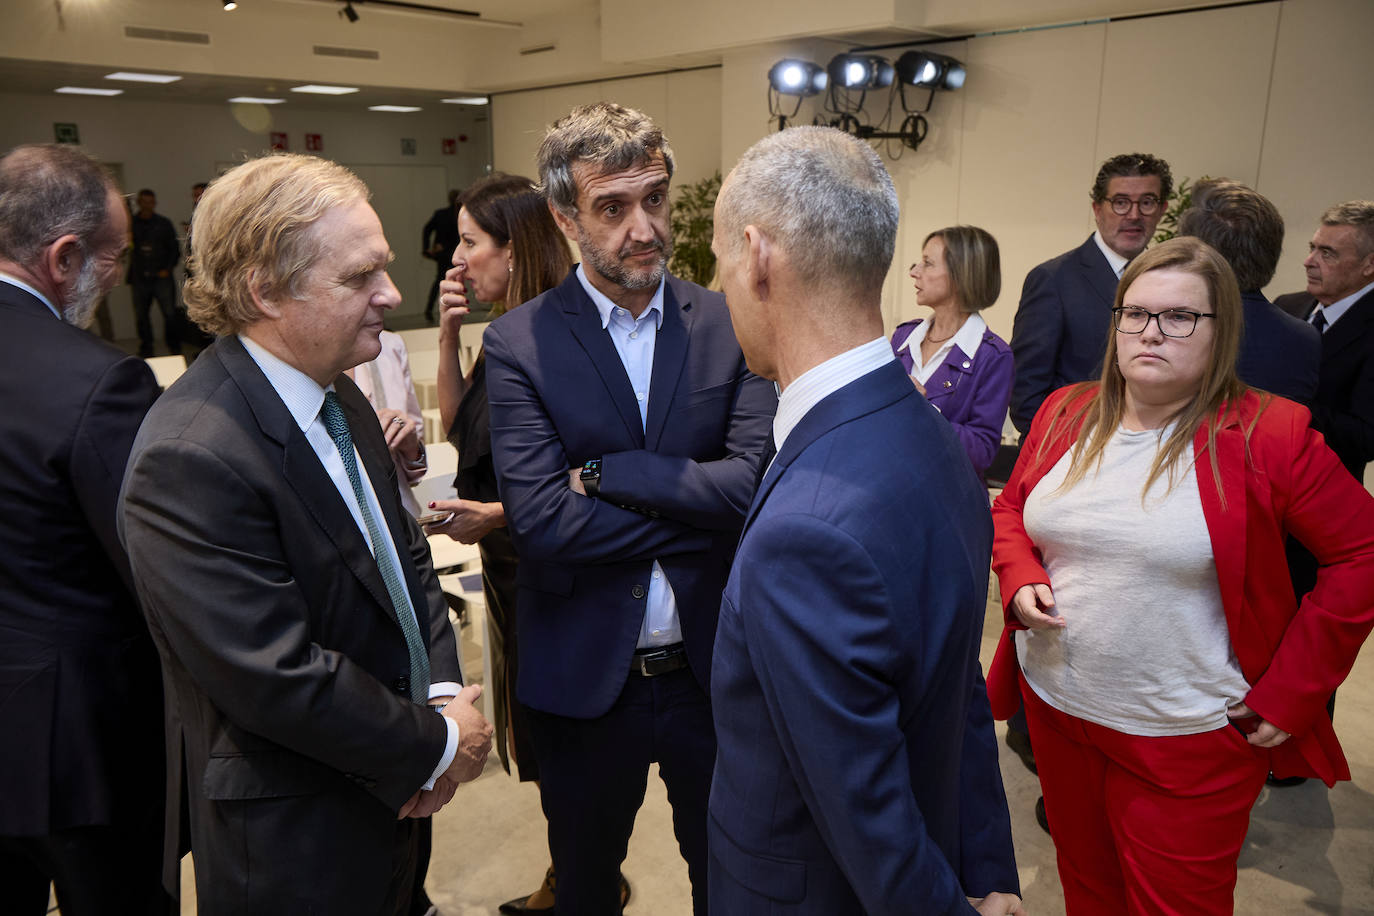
[(474, 743), (998, 904), (1033, 605)]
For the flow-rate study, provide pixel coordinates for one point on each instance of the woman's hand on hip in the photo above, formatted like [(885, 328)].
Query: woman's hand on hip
[(1266, 734), (1033, 604)]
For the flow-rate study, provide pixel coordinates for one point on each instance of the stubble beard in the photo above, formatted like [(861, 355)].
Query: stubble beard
[(614, 269), (80, 305)]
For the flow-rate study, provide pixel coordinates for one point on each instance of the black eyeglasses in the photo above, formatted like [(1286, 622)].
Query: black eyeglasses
[(1121, 205), (1172, 322)]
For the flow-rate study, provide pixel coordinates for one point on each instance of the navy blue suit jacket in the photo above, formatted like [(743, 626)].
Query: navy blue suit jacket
[(1279, 353), (559, 396), (1061, 327), (856, 767)]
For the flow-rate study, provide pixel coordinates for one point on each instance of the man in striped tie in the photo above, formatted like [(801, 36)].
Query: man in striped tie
[(315, 703)]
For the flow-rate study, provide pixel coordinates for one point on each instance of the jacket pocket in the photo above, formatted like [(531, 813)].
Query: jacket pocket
[(264, 774), (778, 879)]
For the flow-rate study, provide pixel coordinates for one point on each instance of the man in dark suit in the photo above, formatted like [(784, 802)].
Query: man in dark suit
[(80, 692), (1060, 330), (1339, 303), (437, 241), (626, 433), (154, 256), (857, 768), (301, 626), (1279, 353)]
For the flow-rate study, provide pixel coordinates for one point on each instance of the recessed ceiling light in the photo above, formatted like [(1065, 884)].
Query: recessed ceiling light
[(129, 77), (82, 90), (325, 90), (253, 100), (393, 108), (471, 100)]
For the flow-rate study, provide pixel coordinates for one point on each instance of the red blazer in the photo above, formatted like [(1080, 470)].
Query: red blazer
[(1292, 655)]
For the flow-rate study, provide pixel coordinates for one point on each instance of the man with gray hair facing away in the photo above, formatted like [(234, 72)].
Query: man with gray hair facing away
[(80, 690), (626, 433), (857, 768)]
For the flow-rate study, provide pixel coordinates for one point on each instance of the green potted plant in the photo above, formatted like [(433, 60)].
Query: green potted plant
[(692, 224)]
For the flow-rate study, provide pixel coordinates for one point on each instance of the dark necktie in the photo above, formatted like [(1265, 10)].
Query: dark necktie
[(770, 451), (1319, 320), (337, 425)]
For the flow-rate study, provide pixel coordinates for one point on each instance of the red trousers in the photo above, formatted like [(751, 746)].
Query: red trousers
[(1144, 825)]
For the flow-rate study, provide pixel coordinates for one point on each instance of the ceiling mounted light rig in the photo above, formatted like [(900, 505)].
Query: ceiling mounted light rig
[(846, 82), (348, 12)]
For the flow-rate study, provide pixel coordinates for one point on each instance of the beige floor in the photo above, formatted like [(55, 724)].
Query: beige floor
[(1309, 850)]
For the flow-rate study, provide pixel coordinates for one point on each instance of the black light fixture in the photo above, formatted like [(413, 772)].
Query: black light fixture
[(859, 71), (798, 78), (848, 78), (348, 12)]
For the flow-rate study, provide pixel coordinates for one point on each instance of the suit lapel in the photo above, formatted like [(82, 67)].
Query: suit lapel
[(586, 327), (302, 469), (1354, 327), (670, 354), (1100, 274)]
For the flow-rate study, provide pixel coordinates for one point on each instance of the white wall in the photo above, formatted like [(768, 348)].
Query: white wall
[(169, 147), (1275, 95)]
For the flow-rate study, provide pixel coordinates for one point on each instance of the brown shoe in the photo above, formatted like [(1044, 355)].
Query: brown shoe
[(541, 901)]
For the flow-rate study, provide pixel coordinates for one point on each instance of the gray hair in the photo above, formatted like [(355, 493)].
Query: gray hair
[(47, 191), (1243, 226), (1357, 213), (822, 196), (606, 136)]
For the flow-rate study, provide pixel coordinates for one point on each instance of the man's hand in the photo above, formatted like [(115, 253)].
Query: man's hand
[(1032, 605), (1266, 734), (998, 904), (575, 480), (470, 520), (474, 737), (427, 802)]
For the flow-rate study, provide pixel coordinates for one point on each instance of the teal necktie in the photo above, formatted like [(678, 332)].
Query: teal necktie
[(337, 425)]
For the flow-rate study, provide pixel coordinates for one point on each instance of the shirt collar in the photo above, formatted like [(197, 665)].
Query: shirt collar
[(819, 382), (15, 281), (301, 394), (604, 306), (1117, 262), (1335, 310), (968, 338)]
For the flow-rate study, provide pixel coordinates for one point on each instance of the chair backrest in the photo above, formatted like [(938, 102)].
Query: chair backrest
[(166, 369), (418, 339)]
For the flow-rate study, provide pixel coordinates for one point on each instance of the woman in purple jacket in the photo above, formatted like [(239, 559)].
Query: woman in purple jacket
[(962, 368)]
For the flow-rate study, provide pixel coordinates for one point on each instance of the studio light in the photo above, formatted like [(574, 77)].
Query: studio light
[(348, 12), (797, 77), (928, 70), (230, 5), (859, 71)]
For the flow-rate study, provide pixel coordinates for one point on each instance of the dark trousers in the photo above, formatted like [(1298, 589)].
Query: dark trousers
[(164, 291), (593, 773), (98, 871)]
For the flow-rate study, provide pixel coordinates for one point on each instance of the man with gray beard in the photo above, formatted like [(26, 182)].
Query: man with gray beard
[(81, 748)]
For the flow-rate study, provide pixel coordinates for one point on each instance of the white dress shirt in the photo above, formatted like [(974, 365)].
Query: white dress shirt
[(1117, 262), (304, 399), (819, 382), (15, 281), (634, 340), (968, 338)]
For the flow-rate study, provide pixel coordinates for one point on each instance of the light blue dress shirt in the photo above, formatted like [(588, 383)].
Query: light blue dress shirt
[(634, 340)]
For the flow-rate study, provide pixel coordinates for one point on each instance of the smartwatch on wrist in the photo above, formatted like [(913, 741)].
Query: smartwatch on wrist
[(591, 477)]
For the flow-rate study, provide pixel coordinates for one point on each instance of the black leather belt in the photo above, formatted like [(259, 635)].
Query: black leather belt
[(658, 660)]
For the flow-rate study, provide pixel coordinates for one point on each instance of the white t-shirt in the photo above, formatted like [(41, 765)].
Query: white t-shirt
[(1146, 650)]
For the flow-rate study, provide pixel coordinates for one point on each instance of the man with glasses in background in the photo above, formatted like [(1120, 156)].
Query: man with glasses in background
[(1060, 331)]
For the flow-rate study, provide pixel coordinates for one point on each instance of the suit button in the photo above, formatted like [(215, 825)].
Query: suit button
[(402, 685), (967, 364), (638, 592)]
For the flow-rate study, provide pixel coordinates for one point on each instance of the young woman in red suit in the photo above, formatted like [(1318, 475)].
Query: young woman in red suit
[(1165, 665)]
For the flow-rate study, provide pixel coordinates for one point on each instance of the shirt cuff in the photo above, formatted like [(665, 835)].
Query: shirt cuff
[(450, 751), (444, 689)]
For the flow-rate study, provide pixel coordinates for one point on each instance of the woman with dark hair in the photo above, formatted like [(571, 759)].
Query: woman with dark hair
[(1164, 662), (962, 368), (509, 251)]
